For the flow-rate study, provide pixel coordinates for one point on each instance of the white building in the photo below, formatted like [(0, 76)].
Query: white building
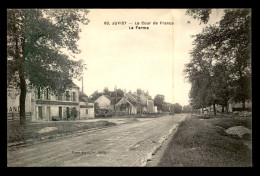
[(87, 109), (44, 106), (104, 102)]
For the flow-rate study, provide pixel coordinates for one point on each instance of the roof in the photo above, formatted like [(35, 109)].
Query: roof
[(125, 100), (84, 98), (128, 98), (150, 98), (73, 85), (131, 99)]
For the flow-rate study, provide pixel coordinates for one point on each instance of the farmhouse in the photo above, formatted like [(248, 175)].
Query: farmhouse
[(145, 101), (127, 104), (136, 103)]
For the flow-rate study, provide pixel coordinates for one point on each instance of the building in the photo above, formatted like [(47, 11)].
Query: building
[(145, 101), (13, 105), (136, 103), (42, 105), (155, 109), (104, 102), (49, 107), (127, 104), (87, 109)]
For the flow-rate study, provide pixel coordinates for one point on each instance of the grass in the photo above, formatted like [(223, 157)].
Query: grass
[(199, 142), (16, 133), (230, 122)]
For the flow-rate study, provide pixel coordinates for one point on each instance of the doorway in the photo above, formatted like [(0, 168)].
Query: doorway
[(60, 112), (68, 112), (40, 112), (49, 113)]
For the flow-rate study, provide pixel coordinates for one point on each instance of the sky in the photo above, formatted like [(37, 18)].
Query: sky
[(151, 59)]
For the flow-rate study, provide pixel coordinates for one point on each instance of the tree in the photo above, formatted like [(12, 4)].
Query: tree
[(177, 108), (186, 109), (199, 73), (200, 14), (222, 84), (117, 95), (35, 41), (228, 41), (158, 101), (95, 95), (106, 91)]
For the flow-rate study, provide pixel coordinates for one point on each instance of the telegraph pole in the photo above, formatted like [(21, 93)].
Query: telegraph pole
[(116, 100), (82, 84)]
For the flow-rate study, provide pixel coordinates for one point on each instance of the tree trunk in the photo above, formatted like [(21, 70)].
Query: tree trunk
[(22, 78), (22, 98), (243, 104), (214, 109), (242, 89), (227, 108)]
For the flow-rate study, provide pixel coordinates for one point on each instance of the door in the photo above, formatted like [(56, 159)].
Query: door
[(68, 112), (49, 113), (60, 112), (40, 112)]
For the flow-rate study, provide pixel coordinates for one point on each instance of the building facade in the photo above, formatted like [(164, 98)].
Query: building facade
[(49, 107), (136, 103), (127, 104), (42, 105), (86, 106), (145, 101), (104, 102)]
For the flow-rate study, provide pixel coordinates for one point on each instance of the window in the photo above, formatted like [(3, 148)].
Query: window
[(60, 97), (68, 112), (74, 96), (39, 93), (86, 111), (48, 95), (60, 112), (67, 96)]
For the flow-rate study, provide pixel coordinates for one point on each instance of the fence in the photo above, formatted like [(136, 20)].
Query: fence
[(16, 116)]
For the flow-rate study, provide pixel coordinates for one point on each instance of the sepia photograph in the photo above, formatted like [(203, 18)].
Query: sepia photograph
[(129, 87)]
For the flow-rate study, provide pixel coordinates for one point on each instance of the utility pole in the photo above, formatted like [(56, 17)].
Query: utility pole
[(82, 84), (116, 100)]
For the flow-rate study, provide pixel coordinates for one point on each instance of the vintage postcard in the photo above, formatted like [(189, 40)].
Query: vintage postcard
[(129, 88)]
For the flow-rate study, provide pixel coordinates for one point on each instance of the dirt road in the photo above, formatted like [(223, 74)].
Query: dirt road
[(123, 145)]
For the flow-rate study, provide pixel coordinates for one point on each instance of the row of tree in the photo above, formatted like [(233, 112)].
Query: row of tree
[(166, 107), (220, 66)]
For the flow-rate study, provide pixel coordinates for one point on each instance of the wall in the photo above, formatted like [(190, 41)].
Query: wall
[(54, 103), (83, 108), (13, 101), (150, 106), (103, 102), (143, 100), (32, 103), (155, 109)]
